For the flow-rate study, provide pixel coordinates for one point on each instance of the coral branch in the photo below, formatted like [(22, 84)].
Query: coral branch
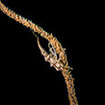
[(56, 46)]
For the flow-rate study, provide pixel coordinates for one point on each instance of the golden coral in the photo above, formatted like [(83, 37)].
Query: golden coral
[(58, 47)]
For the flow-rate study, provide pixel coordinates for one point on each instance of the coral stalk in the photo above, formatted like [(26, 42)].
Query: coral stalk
[(66, 72)]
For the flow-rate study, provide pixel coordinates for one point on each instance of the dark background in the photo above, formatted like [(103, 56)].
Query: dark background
[(25, 76)]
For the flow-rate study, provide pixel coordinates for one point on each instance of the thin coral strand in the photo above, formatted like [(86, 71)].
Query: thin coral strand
[(59, 49)]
